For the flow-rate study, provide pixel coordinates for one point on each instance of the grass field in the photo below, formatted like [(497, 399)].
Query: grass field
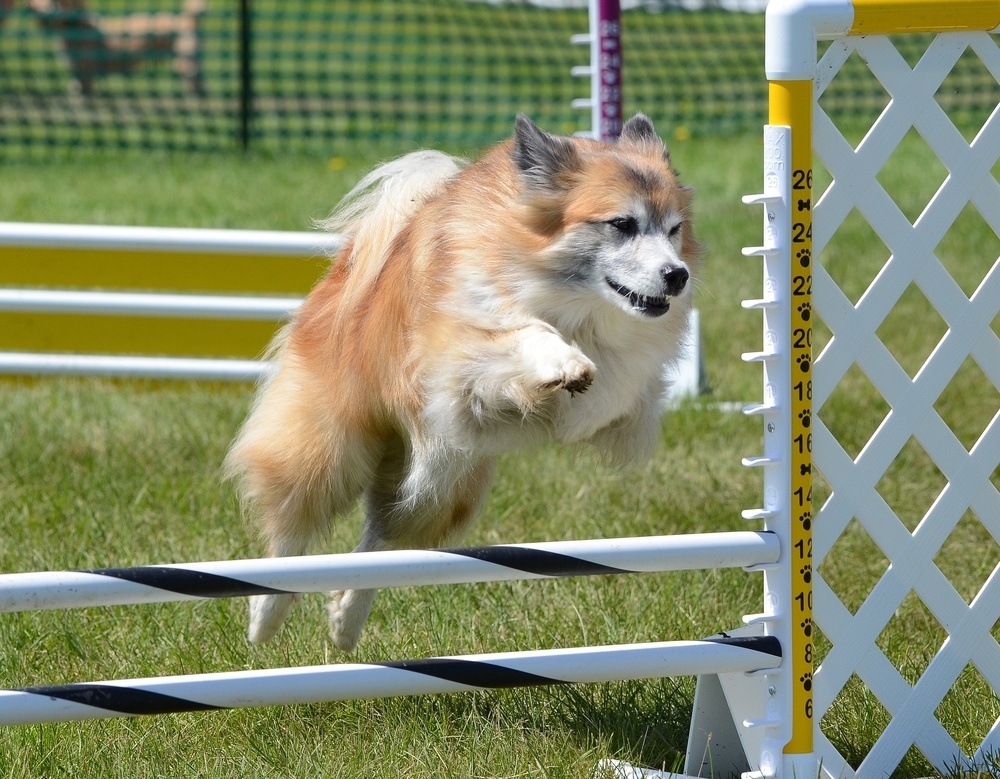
[(96, 473)]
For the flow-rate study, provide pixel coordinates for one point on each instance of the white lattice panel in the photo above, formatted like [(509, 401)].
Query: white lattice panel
[(911, 706)]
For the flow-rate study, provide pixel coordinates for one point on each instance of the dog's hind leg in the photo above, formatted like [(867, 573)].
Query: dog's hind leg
[(348, 610), (296, 477), (390, 525), (268, 612), (295, 512), (290, 535)]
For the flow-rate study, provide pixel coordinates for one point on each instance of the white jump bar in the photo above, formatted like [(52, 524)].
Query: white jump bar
[(278, 243), (321, 683), (243, 307), (397, 568), (131, 367)]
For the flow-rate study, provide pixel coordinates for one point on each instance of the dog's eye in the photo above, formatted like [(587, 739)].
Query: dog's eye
[(626, 225), (675, 230)]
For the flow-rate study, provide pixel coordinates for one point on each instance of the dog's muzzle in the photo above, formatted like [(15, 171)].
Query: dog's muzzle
[(675, 279)]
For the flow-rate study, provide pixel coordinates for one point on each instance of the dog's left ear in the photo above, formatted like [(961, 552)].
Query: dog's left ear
[(544, 161), (639, 131)]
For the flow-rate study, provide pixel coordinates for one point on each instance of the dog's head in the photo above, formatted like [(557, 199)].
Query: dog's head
[(616, 220)]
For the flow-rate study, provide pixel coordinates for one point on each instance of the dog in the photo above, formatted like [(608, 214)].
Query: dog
[(536, 294), (95, 45)]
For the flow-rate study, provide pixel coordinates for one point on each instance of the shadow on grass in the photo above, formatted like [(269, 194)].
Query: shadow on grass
[(643, 723)]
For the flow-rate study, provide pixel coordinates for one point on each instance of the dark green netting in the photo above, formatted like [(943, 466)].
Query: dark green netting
[(326, 76)]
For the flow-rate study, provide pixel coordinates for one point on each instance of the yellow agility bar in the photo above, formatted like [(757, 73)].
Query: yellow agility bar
[(791, 105), (885, 17), (146, 269)]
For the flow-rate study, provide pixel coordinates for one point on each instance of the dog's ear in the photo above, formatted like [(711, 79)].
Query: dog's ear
[(639, 131), (544, 161)]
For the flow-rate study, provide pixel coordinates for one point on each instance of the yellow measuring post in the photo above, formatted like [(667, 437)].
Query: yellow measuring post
[(884, 17), (790, 104)]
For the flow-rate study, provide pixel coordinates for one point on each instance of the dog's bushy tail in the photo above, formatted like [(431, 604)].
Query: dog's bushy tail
[(380, 205), (368, 217)]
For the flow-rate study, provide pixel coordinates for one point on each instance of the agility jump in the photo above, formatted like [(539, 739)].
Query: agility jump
[(785, 738)]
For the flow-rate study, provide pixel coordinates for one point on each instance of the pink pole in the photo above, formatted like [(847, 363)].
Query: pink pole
[(609, 70)]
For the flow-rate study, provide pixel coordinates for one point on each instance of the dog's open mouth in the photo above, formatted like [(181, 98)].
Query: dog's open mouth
[(644, 304)]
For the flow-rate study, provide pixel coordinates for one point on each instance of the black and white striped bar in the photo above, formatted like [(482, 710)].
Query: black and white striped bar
[(320, 573), (315, 684)]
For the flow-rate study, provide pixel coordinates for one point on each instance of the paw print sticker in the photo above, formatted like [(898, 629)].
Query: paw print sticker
[(806, 520), (803, 362), (807, 681), (805, 417), (807, 626), (804, 256), (807, 573), (805, 310)]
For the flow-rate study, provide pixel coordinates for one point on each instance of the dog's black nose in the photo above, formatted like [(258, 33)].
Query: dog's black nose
[(675, 279)]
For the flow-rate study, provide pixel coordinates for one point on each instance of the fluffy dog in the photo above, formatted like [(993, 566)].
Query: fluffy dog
[(536, 294)]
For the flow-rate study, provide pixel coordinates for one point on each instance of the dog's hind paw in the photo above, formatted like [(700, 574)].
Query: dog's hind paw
[(348, 610), (267, 615)]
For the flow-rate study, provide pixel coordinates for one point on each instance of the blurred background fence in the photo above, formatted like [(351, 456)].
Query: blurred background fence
[(325, 75)]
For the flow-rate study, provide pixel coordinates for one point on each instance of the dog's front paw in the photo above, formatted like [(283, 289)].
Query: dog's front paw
[(569, 369), (574, 375), (529, 379)]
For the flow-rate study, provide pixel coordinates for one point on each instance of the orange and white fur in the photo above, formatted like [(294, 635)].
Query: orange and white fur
[(536, 294)]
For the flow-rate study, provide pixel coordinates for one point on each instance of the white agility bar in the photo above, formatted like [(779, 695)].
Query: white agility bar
[(316, 684), (365, 570), (186, 240), (131, 367), (146, 304)]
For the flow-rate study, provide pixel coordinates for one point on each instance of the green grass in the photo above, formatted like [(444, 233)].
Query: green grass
[(96, 473)]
